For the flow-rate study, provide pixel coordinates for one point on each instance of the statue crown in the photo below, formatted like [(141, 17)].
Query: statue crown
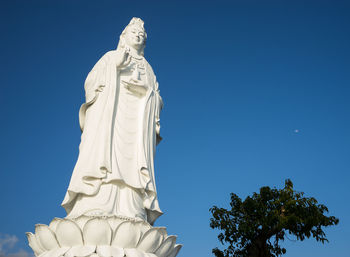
[(137, 21)]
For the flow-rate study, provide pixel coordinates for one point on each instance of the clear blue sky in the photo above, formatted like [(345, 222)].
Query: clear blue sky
[(255, 92)]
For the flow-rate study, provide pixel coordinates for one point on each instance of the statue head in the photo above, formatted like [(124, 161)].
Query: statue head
[(134, 35)]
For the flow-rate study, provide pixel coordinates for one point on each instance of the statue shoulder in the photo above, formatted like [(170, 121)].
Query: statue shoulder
[(105, 59), (110, 55), (97, 75)]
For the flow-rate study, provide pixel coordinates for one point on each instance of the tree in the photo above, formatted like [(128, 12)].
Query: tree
[(254, 227)]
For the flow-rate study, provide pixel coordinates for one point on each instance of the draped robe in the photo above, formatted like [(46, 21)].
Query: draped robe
[(98, 163)]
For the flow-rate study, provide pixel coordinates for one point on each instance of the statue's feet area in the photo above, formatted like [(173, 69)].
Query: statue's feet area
[(101, 236)]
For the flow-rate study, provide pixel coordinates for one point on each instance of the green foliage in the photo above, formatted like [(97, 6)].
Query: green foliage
[(254, 227)]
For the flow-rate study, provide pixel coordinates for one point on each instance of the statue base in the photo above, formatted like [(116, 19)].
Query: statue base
[(101, 237)]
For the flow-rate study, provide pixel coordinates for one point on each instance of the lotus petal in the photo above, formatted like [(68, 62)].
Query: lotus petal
[(46, 237), (126, 235), (49, 253), (55, 252), (33, 243), (163, 231), (143, 227), (133, 253), (151, 240), (54, 223), (61, 251), (68, 233), (114, 222), (81, 221), (108, 251), (81, 250), (166, 247), (97, 232), (175, 251)]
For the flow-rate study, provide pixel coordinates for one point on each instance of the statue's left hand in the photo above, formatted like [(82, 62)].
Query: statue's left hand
[(141, 90), (158, 137), (157, 128)]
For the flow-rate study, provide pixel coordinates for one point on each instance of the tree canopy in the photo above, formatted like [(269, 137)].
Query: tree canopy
[(256, 226)]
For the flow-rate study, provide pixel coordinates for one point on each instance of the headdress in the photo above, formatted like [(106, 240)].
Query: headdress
[(137, 22)]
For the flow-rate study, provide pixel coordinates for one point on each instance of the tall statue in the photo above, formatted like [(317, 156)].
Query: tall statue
[(111, 201), (114, 173)]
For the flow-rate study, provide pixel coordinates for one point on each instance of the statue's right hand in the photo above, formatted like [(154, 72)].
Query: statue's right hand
[(123, 58)]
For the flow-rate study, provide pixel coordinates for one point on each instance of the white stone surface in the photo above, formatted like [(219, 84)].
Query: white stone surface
[(114, 173)]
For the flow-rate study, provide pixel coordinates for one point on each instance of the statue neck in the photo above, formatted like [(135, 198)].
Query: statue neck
[(135, 53)]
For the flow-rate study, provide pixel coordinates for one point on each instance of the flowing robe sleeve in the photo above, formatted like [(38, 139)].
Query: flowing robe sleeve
[(95, 118), (94, 84), (153, 107)]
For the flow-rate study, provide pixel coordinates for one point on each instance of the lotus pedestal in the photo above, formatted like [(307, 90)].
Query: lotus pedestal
[(101, 237)]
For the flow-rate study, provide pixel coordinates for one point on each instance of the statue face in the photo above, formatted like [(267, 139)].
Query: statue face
[(135, 37)]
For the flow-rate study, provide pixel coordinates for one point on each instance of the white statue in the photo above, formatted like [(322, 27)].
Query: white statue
[(114, 173), (111, 201)]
